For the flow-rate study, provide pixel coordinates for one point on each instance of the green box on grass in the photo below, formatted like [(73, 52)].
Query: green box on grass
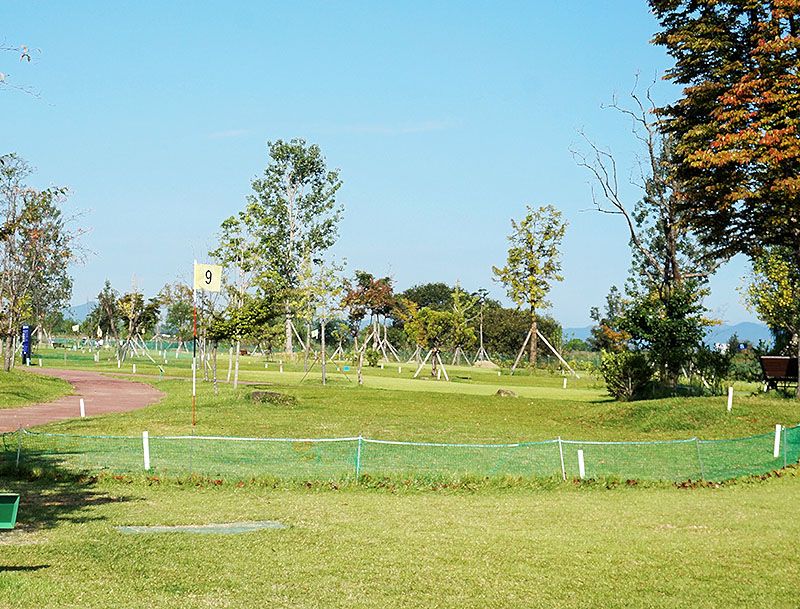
[(9, 502)]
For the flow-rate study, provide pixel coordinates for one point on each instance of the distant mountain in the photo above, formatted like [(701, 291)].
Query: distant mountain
[(79, 312), (746, 331)]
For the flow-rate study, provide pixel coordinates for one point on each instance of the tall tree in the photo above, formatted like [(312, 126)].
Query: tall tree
[(534, 261), (36, 247), (295, 204), (737, 126)]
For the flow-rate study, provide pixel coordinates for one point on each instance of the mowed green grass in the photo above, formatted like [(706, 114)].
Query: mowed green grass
[(20, 388), (393, 406), (476, 546), (397, 543)]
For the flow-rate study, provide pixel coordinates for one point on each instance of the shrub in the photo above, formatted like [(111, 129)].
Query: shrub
[(628, 375), (372, 357)]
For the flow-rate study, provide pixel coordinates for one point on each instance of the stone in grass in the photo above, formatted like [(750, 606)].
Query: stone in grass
[(506, 393), (271, 397)]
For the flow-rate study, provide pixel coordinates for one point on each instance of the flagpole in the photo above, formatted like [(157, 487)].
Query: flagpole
[(194, 345)]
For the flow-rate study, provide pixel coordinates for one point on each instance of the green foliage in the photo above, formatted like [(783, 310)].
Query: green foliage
[(736, 126), (437, 296), (714, 366), (669, 326), (628, 375), (533, 262), (36, 248), (372, 356), (774, 290)]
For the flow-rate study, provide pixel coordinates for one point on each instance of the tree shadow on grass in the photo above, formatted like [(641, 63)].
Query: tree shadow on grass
[(56, 497)]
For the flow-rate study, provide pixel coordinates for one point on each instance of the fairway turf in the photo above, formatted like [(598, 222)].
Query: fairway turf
[(483, 546)]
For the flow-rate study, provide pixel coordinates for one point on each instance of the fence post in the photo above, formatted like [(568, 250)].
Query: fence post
[(561, 452), (699, 458), (581, 465), (19, 445), (358, 457), (776, 450), (146, 449)]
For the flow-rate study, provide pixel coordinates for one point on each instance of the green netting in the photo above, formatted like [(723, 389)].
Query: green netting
[(347, 457)]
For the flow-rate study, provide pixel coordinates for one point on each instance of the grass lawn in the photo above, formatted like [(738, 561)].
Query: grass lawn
[(474, 543), (20, 388), (566, 546)]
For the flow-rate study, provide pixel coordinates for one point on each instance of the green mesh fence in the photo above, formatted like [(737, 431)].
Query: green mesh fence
[(347, 457)]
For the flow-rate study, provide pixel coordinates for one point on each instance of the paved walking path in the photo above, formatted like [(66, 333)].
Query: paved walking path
[(101, 394)]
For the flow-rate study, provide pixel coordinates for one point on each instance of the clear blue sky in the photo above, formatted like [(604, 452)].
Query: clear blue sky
[(445, 118)]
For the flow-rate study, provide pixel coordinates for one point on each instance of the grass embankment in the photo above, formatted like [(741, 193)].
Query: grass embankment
[(565, 547), (431, 416), (22, 387)]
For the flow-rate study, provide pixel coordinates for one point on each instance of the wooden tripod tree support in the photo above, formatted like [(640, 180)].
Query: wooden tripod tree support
[(546, 342), (438, 359)]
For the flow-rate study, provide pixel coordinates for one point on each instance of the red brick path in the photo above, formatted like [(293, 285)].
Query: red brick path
[(101, 394)]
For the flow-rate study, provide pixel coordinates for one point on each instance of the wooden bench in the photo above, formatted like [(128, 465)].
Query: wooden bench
[(779, 369)]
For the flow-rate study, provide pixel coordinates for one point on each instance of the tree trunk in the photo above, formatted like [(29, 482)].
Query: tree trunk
[(230, 362), (534, 339), (214, 367), (8, 354), (360, 364), (434, 353), (307, 347), (322, 329), (236, 367), (288, 327)]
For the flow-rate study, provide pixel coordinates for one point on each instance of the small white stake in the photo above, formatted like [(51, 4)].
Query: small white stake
[(439, 374), (134, 368), (565, 382), (281, 370), (118, 363), (581, 467), (399, 370), (498, 373), (40, 362), (730, 398), (266, 366), (381, 365), (146, 449), (777, 448), (83, 409)]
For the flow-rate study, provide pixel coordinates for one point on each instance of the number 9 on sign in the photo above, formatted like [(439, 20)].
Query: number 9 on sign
[(207, 277)]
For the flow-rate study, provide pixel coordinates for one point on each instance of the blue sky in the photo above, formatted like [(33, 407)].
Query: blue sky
[(445, 118)]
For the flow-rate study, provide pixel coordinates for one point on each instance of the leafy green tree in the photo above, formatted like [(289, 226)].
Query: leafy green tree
[(774, 292), (533, 263), (36, 247), (294, 208), (606, 333), (437, 296), (104, 316), (432, 330), (737, 126), (463, 334), (669, 326)]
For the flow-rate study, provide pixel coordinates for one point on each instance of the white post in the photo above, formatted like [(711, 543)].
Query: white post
[(776, 451), (381, 365), (119, 364), (146, 449), (730, 398), (581, 468), (399, 370), (498, 373), (561, 452), (83, 409), (40, 362), (565, 382), (281, 369), (134, 368)]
